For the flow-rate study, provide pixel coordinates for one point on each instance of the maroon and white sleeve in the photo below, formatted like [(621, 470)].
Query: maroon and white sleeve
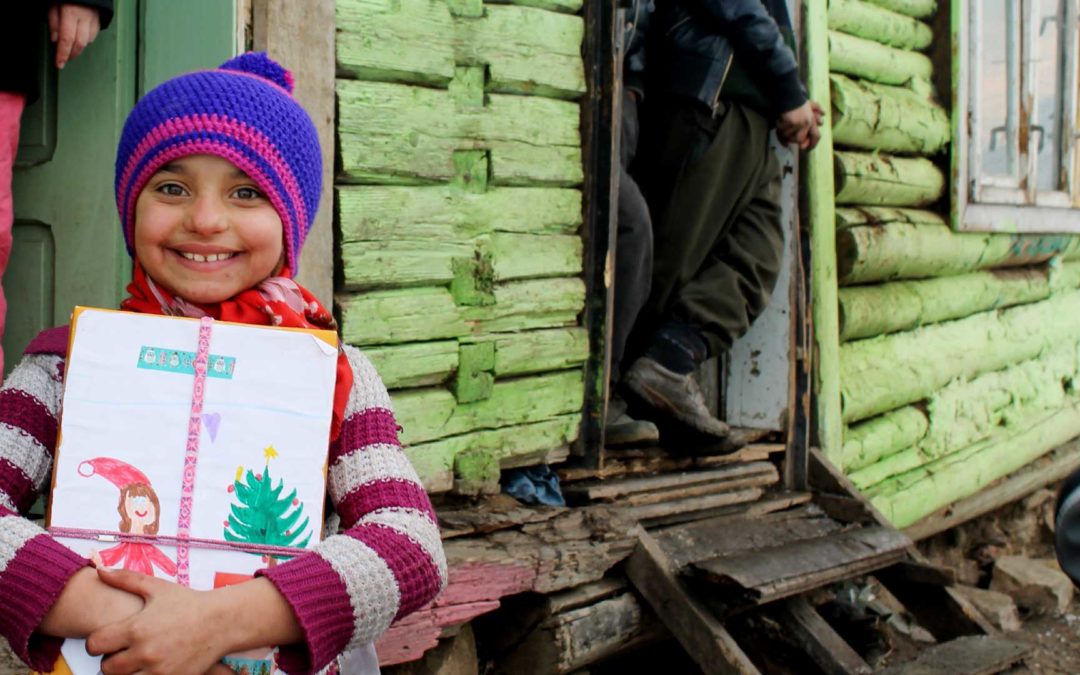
[(34, 568), (388, 561)]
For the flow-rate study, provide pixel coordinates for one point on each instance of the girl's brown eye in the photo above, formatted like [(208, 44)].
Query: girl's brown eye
[(172, 189), (248, 193)]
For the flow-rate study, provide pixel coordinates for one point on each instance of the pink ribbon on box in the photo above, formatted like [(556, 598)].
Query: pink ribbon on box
[(191, 452)]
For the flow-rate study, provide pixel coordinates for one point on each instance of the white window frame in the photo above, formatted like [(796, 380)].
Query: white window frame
[(995, 203)]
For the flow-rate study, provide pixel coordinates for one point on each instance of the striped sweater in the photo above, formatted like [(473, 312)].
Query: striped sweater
[(386, 562)]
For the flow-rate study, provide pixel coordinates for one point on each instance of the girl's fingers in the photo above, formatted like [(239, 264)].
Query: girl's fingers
[(68, 26), (122, 663)]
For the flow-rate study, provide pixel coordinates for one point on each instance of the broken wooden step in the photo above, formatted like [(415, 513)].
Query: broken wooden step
[(969, 655), (761, 559)]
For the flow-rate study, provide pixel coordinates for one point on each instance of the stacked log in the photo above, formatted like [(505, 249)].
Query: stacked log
[(458, 212), (959, 351)]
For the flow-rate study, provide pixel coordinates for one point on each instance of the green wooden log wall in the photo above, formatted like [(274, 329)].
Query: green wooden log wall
[(887, 372), (863, 178), (993, 405), (891, 119), (874, 61), (920, 9), (867, 20), (877, 437), (918, 493), (459, 212), (906, 250), (866, 311)]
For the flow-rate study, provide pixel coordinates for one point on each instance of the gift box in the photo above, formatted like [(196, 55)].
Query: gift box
[(193, 450)]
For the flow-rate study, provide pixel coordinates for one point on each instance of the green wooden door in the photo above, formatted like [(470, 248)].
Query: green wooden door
[(68, 248)]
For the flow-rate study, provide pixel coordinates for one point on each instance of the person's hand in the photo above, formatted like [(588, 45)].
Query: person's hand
[(176, 632), (72, 28), (800, 126)]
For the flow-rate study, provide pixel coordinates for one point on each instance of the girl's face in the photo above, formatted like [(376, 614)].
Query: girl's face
[(140, 509), (204, 231)]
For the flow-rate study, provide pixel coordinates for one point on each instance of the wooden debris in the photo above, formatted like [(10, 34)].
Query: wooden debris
[(765, 575), (575, 547), (919, 9), (971, 655), (497, 512), (817, 638), (701, 635), (675, 484), (577, 627), (636, 462)]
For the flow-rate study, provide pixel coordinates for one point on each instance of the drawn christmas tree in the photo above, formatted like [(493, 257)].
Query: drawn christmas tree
[(263, 516)]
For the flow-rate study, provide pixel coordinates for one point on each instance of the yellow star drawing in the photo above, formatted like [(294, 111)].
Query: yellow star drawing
[(270, 453)]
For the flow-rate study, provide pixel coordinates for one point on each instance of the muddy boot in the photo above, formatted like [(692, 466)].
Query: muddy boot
[(621, 430), (674, 395)]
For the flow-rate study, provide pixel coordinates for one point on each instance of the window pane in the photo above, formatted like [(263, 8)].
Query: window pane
[(996, 85), (1049, 88)]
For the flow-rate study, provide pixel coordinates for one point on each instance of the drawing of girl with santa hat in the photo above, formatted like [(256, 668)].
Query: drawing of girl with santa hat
[(140, 514)]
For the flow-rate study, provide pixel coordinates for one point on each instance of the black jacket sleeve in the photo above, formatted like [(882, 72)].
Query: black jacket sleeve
[(104, 7), (759, 45)]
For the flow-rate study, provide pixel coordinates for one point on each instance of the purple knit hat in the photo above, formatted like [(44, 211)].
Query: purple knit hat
[(244, 112)]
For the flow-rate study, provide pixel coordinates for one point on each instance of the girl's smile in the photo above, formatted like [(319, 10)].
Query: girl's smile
[(204, 231)]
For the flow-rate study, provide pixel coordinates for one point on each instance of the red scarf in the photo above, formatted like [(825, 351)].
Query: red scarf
[(277, 301)]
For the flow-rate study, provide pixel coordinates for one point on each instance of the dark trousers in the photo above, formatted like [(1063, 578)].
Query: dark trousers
[(634, 242), (713, 188)]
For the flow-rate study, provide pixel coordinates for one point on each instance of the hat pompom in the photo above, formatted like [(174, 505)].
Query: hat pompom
[(258, 63)]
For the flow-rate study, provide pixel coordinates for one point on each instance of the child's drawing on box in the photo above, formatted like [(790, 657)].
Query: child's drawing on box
[(140, 513), (218, 176)]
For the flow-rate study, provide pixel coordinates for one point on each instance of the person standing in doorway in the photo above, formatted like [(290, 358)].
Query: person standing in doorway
[(72, 26), (720, 77)]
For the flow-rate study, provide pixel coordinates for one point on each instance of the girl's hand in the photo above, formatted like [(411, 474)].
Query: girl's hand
[(176, 632), (72, 28)]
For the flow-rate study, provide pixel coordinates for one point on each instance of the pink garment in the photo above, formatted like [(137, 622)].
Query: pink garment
[(141, 558), (11, 107)]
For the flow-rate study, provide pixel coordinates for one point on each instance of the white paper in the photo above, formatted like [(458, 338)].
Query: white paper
[(266, 414)]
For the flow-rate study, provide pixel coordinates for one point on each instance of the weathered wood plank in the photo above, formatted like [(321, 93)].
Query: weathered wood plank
[(972, 655), (448, 212), (525, 50), (397, 133), (765, 575), (703, 637), (567, 6), (768, 503), (717, 537), (539, 350), (415, 365), (417, 314), (886, 180), (608, 490), (491, 514), (817, 638), (874, 61), (867, 20), (681, 509), (890, 119), (428, 414)]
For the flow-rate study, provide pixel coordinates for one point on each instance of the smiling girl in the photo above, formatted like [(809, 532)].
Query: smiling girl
[(218, 177)]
